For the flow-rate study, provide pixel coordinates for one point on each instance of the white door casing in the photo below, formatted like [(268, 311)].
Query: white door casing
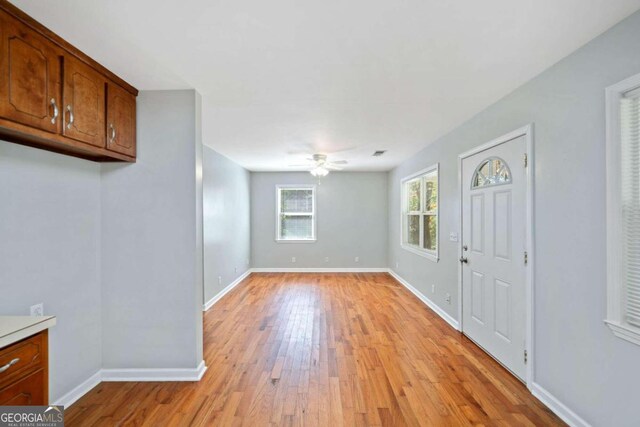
[(496, 280)]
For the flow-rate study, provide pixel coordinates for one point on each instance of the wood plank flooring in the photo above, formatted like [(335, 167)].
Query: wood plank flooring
[(325, 350)]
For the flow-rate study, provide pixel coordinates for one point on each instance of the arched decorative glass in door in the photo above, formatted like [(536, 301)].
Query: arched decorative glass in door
[(492, 171)]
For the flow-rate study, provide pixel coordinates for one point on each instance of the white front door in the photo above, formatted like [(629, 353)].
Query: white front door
[(493, 256)]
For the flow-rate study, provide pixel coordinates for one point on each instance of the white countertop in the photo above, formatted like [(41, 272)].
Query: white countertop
[(15, 328)]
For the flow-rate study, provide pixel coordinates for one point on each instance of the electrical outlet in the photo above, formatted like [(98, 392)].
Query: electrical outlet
[(235, 269), (433, 289), (357, 259), (447, 298), (37, 310), (247, 262), (219, 280), (326, 259), (293, 259), (397, 264)]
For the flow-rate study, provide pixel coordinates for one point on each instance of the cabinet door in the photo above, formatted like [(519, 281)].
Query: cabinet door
[(29, 77), (26, 391), (84, 100), (121, 120)]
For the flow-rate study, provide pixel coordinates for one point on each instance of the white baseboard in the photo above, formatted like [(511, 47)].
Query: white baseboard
[(154, 374), (559, 408), (79, 391), (206, 306), (320, 270), (432, 305), (130, 375)]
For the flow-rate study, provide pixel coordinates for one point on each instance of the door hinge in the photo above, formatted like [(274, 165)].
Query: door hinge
[(526, 357), (526, 258), (526, 160)]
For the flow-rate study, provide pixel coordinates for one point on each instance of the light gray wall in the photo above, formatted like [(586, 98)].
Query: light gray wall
[(227, 242), (577, 358), (49, 253), (351, 221), (151, 279)]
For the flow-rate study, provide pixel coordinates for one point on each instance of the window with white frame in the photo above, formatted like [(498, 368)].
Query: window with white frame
[(623, 209), (420, 213), (296, 218)]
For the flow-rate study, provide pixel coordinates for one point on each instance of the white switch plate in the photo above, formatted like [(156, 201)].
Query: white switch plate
[(357, 259), (219, 280), (235, 269), (433, 289), (453, 236), (326, 259), (37, 310), (293, 259), (397, 264), (447, 298)]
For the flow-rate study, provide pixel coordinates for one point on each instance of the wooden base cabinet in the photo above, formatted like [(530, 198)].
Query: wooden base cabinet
[(24, 372), (54, 97)]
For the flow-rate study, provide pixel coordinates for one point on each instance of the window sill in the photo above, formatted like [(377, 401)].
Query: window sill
[(296, 241), (626, 332), (429, 255)]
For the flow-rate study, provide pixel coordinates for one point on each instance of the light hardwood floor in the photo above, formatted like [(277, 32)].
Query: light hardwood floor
[(325, 350)]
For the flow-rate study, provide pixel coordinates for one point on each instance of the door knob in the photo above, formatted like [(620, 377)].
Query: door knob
[(464, 260)]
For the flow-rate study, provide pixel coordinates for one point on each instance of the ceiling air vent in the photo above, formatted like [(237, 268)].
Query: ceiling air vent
[(379, 153)]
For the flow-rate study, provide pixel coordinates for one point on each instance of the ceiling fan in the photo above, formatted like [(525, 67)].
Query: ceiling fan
[(320, 166)]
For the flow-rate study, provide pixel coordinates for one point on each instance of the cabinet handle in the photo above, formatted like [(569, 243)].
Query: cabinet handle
[(113, 132), (70, 110), (56, 112), (10, 364)]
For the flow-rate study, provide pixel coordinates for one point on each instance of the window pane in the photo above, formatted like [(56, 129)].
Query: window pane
[(431, 202), (430, 232), (492, 171), (413, 229), (413, 195), (296, 200), (296, 227)]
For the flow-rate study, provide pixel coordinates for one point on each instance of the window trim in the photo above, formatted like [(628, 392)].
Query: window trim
[(313, 214), (615, 286), (418, 250)]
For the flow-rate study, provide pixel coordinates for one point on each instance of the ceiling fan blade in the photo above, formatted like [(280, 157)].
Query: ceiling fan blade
[(306, 165), (333, 167), (339, 162)]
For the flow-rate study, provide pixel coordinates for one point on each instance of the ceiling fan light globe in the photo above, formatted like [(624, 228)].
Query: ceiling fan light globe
[(319, 171)]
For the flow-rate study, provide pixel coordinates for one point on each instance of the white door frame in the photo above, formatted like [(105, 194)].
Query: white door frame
[(527, 132)]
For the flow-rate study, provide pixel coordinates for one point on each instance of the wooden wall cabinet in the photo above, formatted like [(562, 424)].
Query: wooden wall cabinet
[(53, 96), (121, 120), (84, 103)]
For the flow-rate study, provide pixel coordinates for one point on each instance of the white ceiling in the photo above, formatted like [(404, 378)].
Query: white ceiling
[(282, 78)]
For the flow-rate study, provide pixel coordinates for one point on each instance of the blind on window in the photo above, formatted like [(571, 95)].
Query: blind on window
[(296, 200), (630, 174), (296, 209)]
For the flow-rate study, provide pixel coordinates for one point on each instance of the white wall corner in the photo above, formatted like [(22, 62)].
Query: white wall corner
[(80, 390), (206, 306), (559, 408), (432, 305)]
